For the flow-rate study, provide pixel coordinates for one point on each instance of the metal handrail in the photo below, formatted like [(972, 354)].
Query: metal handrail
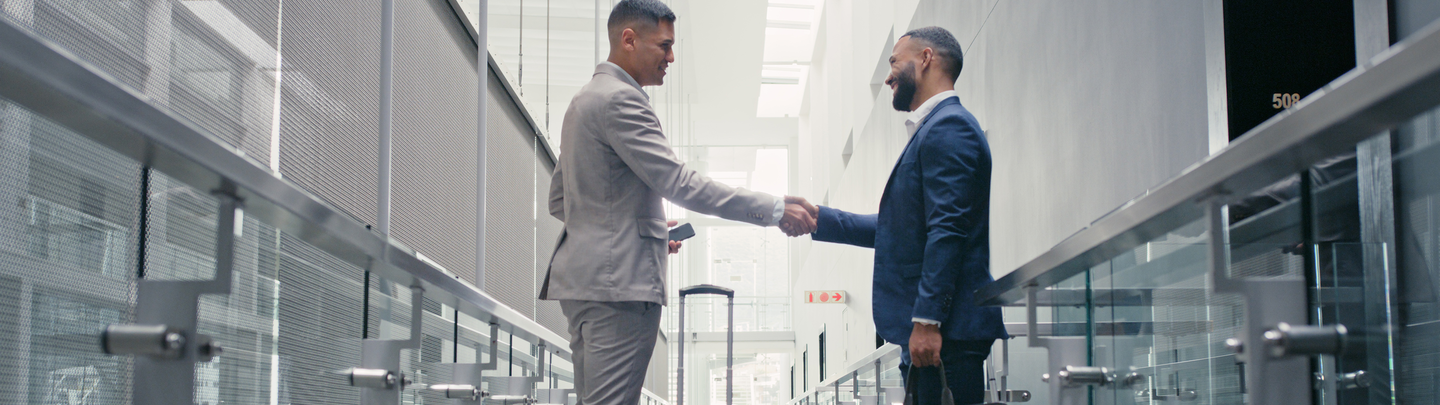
[(1387, 91), (885, 353), (48, 80), (649, 398)]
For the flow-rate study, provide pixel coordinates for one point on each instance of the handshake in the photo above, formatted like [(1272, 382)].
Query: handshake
[(799, 218)]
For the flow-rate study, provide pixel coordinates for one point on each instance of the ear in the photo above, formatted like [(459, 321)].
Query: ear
[(927, 58), (628, 37)]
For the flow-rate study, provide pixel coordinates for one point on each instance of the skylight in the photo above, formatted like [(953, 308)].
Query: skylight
[(789, 42)]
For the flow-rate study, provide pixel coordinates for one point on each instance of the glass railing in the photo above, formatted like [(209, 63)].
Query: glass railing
[(1296, 266), (874, 379), (143, 260)]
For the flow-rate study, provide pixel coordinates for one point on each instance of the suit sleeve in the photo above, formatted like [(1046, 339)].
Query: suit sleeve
[(636, 138), (557, 194), (838, 226), (951, 158)]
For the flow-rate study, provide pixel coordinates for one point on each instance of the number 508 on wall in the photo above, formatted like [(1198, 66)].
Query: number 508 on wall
[(1284, 100)]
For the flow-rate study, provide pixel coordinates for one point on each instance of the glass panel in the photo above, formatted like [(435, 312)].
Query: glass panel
[(292, 318), (1349, 280), (890, 380), (867, 381), (181, 226), (320, 315), (1157, 317), (429, 364), (1415, 290), (69, 227)]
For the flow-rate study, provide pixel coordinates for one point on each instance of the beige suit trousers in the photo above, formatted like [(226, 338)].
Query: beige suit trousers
[(611, 344)]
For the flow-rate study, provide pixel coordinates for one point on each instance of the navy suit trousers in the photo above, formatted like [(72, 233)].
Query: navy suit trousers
[(964, 370)]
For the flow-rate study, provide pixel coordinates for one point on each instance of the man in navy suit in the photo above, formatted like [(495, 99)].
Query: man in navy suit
[(932, 235)]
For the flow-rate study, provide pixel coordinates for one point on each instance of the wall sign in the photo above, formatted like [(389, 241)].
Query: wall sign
[(825, 297)]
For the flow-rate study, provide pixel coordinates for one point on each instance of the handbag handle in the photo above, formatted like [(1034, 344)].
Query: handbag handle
[(946, 397)]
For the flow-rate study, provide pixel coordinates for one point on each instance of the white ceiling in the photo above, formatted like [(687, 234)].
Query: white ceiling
[(711, 92), (723, 49)]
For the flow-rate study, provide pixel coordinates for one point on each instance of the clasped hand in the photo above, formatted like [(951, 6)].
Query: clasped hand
[(799, 218)]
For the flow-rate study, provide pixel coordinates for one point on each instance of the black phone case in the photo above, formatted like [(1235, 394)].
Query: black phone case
[(682, 232)]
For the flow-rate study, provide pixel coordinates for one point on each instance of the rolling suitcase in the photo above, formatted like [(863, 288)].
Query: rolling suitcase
[(707, 289)]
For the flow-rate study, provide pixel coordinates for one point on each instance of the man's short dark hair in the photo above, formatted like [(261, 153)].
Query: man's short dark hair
[(648, 12), (946, 48)]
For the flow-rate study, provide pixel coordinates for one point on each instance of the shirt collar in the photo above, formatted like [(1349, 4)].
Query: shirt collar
[(913, 120), (623, 75)]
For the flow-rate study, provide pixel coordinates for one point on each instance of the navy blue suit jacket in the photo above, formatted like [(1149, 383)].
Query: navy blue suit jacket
[(932, 235)]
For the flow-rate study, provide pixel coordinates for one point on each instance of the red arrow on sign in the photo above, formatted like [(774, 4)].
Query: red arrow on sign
[(837, 296)]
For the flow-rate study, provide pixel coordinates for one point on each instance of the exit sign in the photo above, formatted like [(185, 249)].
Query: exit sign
[(825, 297)]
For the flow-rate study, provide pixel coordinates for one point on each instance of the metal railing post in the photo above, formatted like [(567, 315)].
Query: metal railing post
[(379, 374), (730, 355), (680, 366), (483, 66), (387, 73), (1267, 302), (164, 338)]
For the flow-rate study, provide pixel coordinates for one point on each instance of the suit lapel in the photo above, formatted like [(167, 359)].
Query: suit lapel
[(910, 145)]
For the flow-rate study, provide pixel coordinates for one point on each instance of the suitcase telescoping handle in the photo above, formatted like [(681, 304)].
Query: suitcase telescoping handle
[(707, 289)]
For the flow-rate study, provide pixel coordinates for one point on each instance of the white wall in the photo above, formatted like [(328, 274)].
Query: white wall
[(1087, 104)]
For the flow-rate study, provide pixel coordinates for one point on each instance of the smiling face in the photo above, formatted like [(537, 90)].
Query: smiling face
[(651, 52), (904, 75)]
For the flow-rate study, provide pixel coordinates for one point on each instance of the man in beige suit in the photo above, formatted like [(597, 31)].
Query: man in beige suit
[(615, 167)]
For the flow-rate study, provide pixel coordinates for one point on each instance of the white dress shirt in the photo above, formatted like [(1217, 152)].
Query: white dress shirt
[(779, 201), (912, 125), (917, 117)]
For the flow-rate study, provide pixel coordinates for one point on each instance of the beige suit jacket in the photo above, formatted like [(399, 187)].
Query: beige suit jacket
[(615, 166)]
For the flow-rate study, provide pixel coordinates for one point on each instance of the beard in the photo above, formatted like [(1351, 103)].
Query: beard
[(904, 89)]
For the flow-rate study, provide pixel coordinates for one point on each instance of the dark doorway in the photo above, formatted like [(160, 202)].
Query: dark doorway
[(805, 370), (1279, 51), (822, 355)]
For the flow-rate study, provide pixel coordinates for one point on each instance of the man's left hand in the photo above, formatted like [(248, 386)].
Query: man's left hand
[(925, 345)]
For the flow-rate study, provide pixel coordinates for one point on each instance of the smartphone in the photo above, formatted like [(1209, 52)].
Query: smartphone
[(682, 232)]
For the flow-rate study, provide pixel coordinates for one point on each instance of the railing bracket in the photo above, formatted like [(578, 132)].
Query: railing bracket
[(165, 339)]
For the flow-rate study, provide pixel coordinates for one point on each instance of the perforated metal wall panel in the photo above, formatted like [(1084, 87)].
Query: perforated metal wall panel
[(329, 102), (198, 58), (295, 310), (109, 35), (433, 199), (219, 73), (260, 16), (510, 205), (547, 231)]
